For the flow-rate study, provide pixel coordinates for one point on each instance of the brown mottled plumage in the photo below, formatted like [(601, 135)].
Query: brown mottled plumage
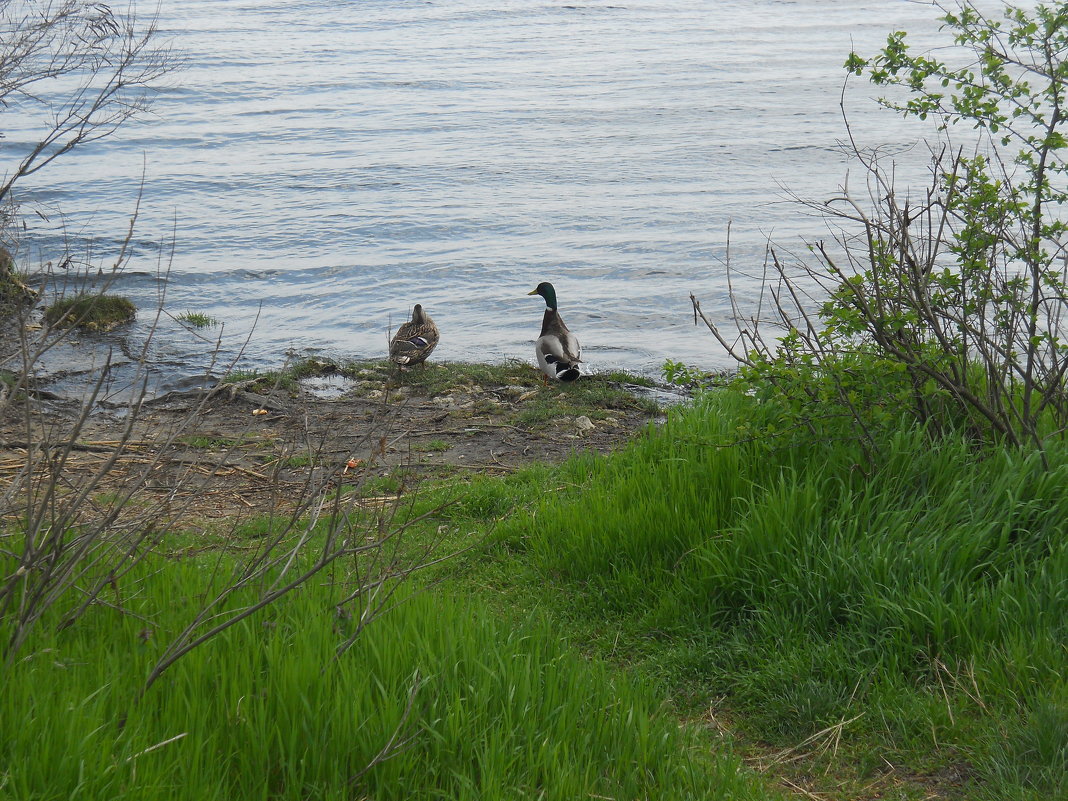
[(415, 339)]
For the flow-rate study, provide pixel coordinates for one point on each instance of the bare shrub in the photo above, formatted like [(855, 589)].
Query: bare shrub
[(77, 514), (81, 68)]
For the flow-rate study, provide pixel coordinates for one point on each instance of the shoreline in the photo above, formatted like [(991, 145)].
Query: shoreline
[(255, 443)]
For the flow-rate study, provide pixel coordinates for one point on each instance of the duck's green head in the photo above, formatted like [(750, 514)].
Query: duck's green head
[(546, 290)]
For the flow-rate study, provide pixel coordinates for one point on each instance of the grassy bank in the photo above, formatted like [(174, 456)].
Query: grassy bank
[(480, 708), (902, 631), (896, 634)]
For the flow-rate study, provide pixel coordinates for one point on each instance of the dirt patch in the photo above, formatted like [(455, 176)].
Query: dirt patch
[(264, 444)]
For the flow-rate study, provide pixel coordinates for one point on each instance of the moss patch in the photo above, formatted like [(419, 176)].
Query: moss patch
[(91, 312)]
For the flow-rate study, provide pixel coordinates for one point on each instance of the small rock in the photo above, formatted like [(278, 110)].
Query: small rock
[(584, 424), (513, 391)]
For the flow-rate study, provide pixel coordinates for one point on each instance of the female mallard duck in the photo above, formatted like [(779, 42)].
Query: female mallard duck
[(557, 348), (414, 340)]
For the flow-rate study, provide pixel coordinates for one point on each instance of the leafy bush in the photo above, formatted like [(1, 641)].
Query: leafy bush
[(949, 305)]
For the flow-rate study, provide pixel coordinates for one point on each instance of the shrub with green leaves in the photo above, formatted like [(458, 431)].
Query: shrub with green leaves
[(948, 303)]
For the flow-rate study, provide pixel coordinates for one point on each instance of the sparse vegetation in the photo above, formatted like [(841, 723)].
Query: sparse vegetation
[(215, 443), (299, 461), (13, 288), (196, 319)]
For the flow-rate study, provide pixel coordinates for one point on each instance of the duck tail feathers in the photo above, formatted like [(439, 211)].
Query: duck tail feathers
[(565, 371)]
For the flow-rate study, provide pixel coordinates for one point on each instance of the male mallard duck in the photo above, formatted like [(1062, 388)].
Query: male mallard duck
[(415, 339), (557, 348)]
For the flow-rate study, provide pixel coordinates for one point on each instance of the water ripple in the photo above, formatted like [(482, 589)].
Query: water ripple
[(322, 170)]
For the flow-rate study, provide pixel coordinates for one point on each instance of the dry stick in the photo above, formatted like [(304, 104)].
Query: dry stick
[(939, 667), (715, 331), (172, 655), (800, 789), (947, 383), (96, 447), (367, 591), (781, 756), (371, 607), (74, 567), (52, 573), (232, 468), (152, 748)]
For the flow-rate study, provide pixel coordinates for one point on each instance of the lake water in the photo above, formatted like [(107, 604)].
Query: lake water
[(324, 166)]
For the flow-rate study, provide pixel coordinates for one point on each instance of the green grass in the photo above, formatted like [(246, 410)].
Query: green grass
[(8, 379), (196, 319), (300, 460), (91, 312), (922, 609), (501, 709), (387, 484), (902, 631)]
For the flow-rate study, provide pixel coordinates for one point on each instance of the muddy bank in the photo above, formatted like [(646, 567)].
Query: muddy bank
[(265, 443)]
